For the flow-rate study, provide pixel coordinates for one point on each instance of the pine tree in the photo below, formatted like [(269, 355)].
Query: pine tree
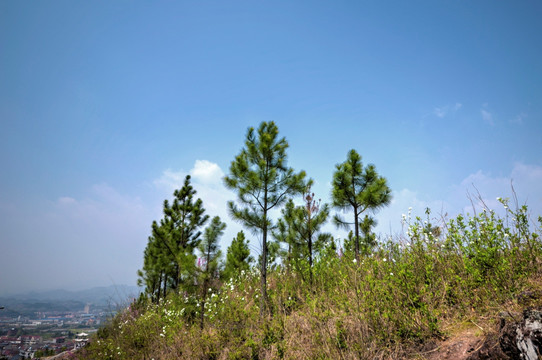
[(150, 275), (284, 233), (368, 241), (310, 218), (237, 257), (349, 244), (263, 182), (166, 261), (169, 259), (182, 222), (209, 261), (299, 226), (158, 265), (359, 189)]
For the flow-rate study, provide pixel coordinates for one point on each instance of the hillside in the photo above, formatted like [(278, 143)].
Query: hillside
[(435, 291)]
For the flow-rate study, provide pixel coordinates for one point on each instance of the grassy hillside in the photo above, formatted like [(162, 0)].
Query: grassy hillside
[(392, 304)]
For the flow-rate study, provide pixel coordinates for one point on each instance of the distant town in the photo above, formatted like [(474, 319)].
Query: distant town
[(34, 328), (47, 333)]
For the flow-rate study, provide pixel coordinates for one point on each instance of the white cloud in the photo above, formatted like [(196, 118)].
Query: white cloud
[(486, 115), (66, 200), (206, 178), (526, 180), (518, 119), (170, 180), (206, 172), (440, 112), (443, 111)]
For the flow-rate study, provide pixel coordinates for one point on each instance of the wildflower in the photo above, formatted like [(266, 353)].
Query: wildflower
[(391, 274), (354, 261)]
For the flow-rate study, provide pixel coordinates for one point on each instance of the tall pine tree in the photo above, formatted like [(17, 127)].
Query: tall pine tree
[(182, 221), (263, 181), (169, 260), (358, 189)]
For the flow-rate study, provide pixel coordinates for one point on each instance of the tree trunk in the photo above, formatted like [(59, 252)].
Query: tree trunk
[(263, 279), (204, 293), (165, 286), (310, 257), (263, 299), (159, 286), (356, 227), (177, 279)]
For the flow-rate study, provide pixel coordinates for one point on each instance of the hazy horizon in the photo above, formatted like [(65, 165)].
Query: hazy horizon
[(105, 107)]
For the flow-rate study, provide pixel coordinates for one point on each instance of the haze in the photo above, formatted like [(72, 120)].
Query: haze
[(106, 106)]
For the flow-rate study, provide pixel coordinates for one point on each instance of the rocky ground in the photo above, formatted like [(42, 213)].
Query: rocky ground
[(519, 336)]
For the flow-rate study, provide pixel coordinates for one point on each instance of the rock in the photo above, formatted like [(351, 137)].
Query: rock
[(524, 340), (520, 340)]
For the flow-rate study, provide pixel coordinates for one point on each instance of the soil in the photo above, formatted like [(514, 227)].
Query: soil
[(461, 346)]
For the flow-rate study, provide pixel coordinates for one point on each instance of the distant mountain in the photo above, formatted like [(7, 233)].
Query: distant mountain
[(112, 295)]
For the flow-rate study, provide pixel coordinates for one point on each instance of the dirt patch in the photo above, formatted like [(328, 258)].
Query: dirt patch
[(519, 337), (458, 347)]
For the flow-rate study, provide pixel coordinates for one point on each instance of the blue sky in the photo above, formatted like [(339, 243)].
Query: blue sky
[(106, 106)]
